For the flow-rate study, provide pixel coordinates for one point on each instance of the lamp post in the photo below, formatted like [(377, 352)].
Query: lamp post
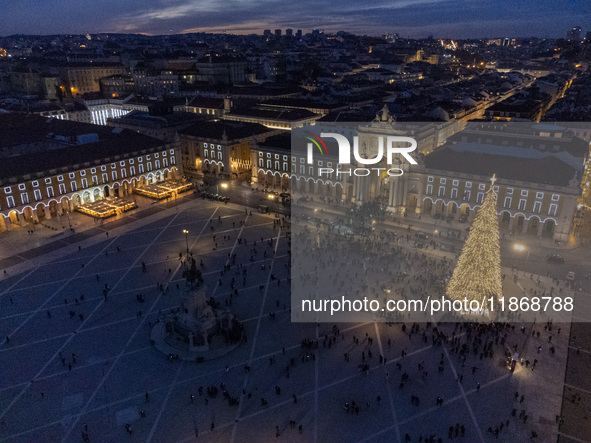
[(519, 247), (186, 239)]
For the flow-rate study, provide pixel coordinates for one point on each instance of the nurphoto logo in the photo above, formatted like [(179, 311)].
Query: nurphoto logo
[(395, 145)]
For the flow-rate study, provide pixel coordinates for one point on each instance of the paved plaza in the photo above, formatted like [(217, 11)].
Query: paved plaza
[(76, 355)]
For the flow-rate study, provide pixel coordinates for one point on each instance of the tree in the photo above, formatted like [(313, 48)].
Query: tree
[(478, 272)]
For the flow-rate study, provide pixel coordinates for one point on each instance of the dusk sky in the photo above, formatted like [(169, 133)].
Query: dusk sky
[(412, 18)]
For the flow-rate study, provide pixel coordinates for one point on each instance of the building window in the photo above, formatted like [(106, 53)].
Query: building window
[(507, 202), (466, 196), (35, 184), (496, 188), (83, 173), (277, 166), (443, 181), (539, 195), (468, 185), (73, 186), (105, 178), (71, 175), (172, 152), (481, 186), (38, 195), (21, 187), (84, 183), (8, 190), (285, 166), (49, 191), (114, 175), (131, 161), (103, 168), (122, 163), (537, 207), (555, 197), (261, 163), (93, 170), (480, 197), (524, 192), (522, 203), (454, 193), (455, 182), (509, 191), (10, 201), (441, 192), (62, 188), (219, 155), (48, 180), (25, 198), (429, 190), (219, 147), (553, 209)]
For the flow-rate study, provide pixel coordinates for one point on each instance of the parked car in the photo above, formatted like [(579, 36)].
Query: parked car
[(555, 258)]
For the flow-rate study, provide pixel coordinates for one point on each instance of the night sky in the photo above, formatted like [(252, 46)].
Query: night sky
[(409, 18)]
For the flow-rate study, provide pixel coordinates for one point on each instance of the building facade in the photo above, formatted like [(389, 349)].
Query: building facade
[(69, 164)]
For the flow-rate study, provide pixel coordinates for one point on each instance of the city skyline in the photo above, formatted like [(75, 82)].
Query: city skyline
[(409, 18)]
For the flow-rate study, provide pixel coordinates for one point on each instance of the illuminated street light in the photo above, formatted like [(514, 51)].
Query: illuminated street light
[(519, 247), (225, 185), (186, 238)]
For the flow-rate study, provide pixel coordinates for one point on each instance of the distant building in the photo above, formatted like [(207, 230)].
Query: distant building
[(222, 69), (81, 78), (277, 32), (156, 84), (574, 34), (117, 86), (289, 32)]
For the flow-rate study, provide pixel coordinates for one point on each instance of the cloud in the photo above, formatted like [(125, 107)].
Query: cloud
[(415, 18)]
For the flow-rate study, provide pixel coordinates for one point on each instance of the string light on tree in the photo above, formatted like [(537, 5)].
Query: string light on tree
[(478, 272)]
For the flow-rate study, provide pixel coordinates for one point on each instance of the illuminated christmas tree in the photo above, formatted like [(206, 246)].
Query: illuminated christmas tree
[(478, 271)]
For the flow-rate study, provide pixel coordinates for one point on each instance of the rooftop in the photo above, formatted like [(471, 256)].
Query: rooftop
[(216, 129), (49, 143)]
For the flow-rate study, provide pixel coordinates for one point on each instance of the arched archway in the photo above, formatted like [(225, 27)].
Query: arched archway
[(549, 227), (106, 191)]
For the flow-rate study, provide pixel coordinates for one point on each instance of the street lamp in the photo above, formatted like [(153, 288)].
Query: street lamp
[(519, 247), (186, 238)]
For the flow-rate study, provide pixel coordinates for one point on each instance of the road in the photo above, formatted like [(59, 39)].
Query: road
[(532, 259)]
